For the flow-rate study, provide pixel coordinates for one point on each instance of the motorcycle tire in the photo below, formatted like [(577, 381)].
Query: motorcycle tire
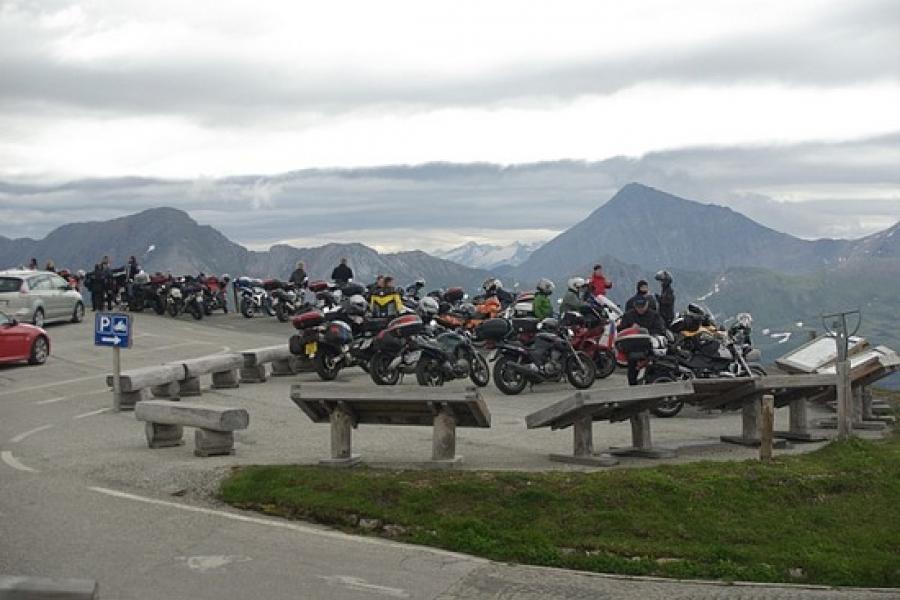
[(267, 306), (197, 312), (581, 378), (281, 313), (247, 308), (135, 307), (380, 372), (605, 363), (479, 371), (327, 367), (207, 309), (173, 309), (507, 380), (429, 373), (668, 407), (158, 306)]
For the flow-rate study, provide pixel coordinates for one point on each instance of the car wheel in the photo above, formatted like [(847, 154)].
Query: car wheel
[(38, 319), (78, 315), (40, 350)]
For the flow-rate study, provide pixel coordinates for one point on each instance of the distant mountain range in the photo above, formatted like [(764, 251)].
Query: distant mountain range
[(725, 260), (489, 256)]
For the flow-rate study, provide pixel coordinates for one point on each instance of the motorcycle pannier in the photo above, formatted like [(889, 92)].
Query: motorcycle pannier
[(635, 344), (318, 285), (406, 326), (338, 333), (494, 329), (454, 295), (309, 319), (272, 284), (296, 345), (352, 289), (387, 342), (525, 325), (158, 279)]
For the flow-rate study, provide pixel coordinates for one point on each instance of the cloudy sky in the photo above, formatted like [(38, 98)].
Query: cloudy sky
[(785, 110)]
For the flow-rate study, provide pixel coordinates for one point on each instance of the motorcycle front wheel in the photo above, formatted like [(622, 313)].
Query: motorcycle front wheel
[(380, 371), (605, 362), (508, 380), (667, 407), (159, 307), (267, 306), (281, 312), (247, 308), (327, 365), (581, 376), (196, 311), (429, 373), (173, 309), (479, 371)]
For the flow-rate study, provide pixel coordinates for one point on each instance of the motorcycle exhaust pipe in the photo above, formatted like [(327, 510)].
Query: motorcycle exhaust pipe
[(529, 369)]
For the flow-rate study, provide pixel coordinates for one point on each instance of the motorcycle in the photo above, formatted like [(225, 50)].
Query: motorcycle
[(595, 335), (254, 298), (550, 357), (450, 355), (395, 350), (288, 301), (148, 292), (214, 294), (185, 295), (655, 364)]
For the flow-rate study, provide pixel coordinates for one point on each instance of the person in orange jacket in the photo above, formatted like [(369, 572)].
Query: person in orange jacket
[(598, 282)]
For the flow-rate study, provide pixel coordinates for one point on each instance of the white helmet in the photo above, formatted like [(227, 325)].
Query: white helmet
[(545, 286), (428, 307), (576, 283), (356, 304), (492, 284)]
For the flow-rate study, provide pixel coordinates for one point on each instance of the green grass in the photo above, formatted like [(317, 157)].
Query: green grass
[(834, 514)]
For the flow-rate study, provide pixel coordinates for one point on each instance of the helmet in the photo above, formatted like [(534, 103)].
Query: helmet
[(356, 305), (550, 325), (545, 286), (576, 283), (663, 277), (226, 277), (745, 319), (428, 307), (420, 282), (80, 274), (492, 284)]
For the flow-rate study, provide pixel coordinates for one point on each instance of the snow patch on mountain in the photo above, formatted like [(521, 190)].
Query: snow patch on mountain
[(489, 256)]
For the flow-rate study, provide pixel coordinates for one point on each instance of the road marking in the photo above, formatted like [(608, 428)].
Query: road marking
[(326, 533), (92, 413), (7, 457), (22, 436), (211, 563), (61, 398), (355, 583), (31, 388)]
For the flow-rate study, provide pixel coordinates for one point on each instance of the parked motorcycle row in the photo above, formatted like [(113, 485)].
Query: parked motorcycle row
[(197, 296)]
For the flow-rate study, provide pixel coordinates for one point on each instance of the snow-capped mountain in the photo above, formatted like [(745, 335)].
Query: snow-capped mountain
[(489, 256)]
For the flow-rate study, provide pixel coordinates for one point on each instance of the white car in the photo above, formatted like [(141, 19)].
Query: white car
[(39, 297)]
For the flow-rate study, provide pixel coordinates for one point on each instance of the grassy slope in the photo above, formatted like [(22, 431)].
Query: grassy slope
[(833, 514)]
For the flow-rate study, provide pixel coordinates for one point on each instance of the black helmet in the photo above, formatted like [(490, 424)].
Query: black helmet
[(549, 325), (663, 277)]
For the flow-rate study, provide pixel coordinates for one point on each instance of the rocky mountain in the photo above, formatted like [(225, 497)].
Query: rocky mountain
[(167, 239), (489, 256)]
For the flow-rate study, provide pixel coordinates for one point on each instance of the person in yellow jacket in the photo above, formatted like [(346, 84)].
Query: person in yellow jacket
[(386, 301)]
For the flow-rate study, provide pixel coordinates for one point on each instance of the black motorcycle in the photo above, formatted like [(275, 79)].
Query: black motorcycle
[(396, 350), (147, 294), (550, 357), (290, 300), (450, 355), (185, 296)]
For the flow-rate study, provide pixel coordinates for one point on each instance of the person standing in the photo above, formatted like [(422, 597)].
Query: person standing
[(98, 288), (541, 304), (342, 274), (642, 315), (572, 301), (666, 297), (50, 266), (33, 264), (299, 277), (642, 291), (599, 283)]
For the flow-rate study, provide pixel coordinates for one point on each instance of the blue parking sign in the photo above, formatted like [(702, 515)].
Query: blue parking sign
[(112, 330)]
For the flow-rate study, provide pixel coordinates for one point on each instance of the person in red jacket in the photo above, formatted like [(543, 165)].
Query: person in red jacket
[(599, 282)]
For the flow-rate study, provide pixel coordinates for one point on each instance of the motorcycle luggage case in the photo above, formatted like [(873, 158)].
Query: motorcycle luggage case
[(296, 344), (387, 342), (272, 284), (525, 325), (309, 319), (353, 289), (454, 295), (406, 325), (494, 329), (338, 333), (635, 343), (318, 285)]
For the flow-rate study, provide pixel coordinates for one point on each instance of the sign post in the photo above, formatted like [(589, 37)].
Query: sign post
[(842, 334), (113, 330)]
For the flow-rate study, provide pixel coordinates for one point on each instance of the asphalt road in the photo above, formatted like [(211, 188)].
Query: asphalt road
[(82, 496)]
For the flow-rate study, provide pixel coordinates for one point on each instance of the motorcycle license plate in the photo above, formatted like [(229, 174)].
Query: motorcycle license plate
[(311, 348)]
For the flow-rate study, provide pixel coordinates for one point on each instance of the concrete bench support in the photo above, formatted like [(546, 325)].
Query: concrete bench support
[(341, 421), (225, 379), (133, 382), (255, 374), (189, 387), (750, 423), (167, 390), (284, 367), (43, 588), (641, 444), (583, 446), (799, 424), (215, 425), (253, 369), (127, 400), (443, 441)]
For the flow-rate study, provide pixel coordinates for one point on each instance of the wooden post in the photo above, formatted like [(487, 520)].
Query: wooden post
[(844, 400), (341, 439), (117, 380), (750, 420), (767, 427), (583, 436), (443, 442), (640, 431)]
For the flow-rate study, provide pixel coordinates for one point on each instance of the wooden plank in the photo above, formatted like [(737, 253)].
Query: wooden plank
[(215, 363), (205, 416)]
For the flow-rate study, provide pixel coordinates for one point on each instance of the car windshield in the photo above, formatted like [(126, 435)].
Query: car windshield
[(10, 284)]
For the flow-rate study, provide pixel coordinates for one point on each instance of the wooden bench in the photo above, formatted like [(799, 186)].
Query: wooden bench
[(346, 410), (133, 382), (222, 367), (283, 362), (866, 368), (215, 425), (582, 409), (43, 588)]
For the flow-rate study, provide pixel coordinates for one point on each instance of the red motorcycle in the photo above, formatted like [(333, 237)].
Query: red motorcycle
[(594, 333)]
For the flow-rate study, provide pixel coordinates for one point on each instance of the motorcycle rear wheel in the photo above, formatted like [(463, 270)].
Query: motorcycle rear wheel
[(267, 306), (158, 306), (581, 377), (281, 313), (247, 308), (508, 380), (668, 407), (479, 371), (196, 311), (173, 309), (380, 371), (429, 373), (605, 362), (327, 366)]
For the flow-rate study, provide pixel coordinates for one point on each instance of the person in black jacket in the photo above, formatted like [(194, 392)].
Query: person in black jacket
[(643, 289), (342, 273), (98, 288), (299, 277), (641, 315), (666, 297)]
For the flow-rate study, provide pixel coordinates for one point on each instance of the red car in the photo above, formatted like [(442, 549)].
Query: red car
[(20, 342)]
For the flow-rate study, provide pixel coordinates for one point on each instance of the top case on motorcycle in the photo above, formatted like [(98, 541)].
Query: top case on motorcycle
[(635, 343), (494, 329), (318, 285), (525, 324), (454, 295), (309, 319), (353, 289), (338, 333), (407, 325)]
